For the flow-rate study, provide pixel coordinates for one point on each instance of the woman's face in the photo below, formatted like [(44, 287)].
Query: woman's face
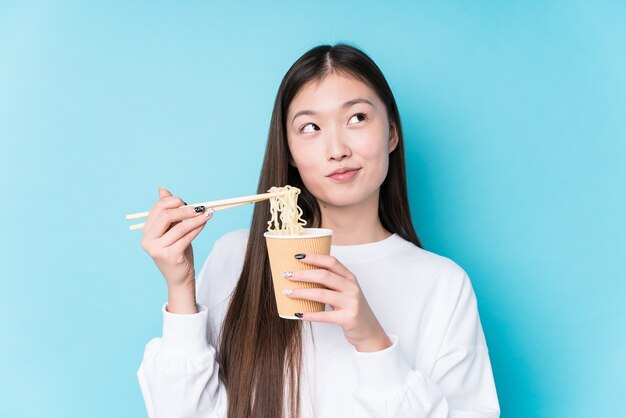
[(340, 138)]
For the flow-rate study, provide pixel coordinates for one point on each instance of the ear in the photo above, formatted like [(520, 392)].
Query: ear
[(393, 137)]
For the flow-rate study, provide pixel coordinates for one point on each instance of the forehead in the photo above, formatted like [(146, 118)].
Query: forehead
[(331, 92)]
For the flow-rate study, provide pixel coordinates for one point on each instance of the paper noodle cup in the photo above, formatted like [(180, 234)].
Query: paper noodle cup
[(281, 250)]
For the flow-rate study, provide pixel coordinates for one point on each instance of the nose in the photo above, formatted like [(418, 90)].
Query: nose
[(337, 147)]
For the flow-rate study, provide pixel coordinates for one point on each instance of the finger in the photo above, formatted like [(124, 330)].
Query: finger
[(183, 243), (174, 217), (326, 261), (319, 276), (329, 297), (327, 317), (181, 229), (163, 192), (162, 216), (164, 197), (169, 202)]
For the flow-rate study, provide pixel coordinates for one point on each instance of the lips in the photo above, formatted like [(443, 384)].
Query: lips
[(342, 170), (343, 174)]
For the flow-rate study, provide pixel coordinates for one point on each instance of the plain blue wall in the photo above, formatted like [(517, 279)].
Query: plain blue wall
[(514, 116)]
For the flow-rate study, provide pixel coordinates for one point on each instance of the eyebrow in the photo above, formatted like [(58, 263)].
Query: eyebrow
[(346, 105)]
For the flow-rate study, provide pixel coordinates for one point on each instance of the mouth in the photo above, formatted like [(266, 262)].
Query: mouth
[(344, 174)]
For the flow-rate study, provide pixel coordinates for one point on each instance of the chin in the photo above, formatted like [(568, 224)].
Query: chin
[(345, 198)]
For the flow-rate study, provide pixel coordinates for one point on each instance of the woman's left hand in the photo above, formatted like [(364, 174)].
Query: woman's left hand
[(350, 308)]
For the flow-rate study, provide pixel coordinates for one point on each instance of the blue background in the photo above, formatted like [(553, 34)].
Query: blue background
[(514, 117)]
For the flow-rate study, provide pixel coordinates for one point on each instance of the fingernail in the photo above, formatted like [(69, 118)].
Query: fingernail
[(287, 292), (287, 274), (199, 209), (298, 314), (209, 213), (299, 256)]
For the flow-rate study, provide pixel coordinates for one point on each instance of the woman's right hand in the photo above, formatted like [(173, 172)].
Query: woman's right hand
[(168, 241)]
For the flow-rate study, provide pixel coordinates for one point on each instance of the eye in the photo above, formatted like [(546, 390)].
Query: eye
[(359, 117), (309, 127)]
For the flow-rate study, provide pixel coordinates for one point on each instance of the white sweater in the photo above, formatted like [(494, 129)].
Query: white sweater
[(437, 366)]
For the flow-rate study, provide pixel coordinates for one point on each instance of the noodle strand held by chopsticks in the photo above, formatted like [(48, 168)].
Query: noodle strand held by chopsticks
[(285, 202)]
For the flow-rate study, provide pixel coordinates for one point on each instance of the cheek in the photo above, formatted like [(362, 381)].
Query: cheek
[(306, 163), (377, 157), (382, 165), (306, 156), (299, 157), (375, 150), (309, 172)]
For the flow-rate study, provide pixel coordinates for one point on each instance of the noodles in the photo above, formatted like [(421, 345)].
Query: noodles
[(285, 202)]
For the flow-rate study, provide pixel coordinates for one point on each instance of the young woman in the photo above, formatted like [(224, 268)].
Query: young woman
[(401, 336)]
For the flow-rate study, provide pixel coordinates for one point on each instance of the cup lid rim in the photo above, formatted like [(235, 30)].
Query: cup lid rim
[(314, 233)]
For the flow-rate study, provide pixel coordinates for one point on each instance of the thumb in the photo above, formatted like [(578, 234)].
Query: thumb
[(163, 192)]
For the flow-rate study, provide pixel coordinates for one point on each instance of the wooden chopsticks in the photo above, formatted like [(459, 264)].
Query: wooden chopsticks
[(215, 205)]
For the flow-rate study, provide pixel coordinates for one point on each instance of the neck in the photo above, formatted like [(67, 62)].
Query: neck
[(352, 226)]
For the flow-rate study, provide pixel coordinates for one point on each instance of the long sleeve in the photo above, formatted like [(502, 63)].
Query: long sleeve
[(179, 373), (460, 384)]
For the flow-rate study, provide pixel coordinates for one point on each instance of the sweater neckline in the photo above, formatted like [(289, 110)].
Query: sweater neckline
[(370, 250)]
